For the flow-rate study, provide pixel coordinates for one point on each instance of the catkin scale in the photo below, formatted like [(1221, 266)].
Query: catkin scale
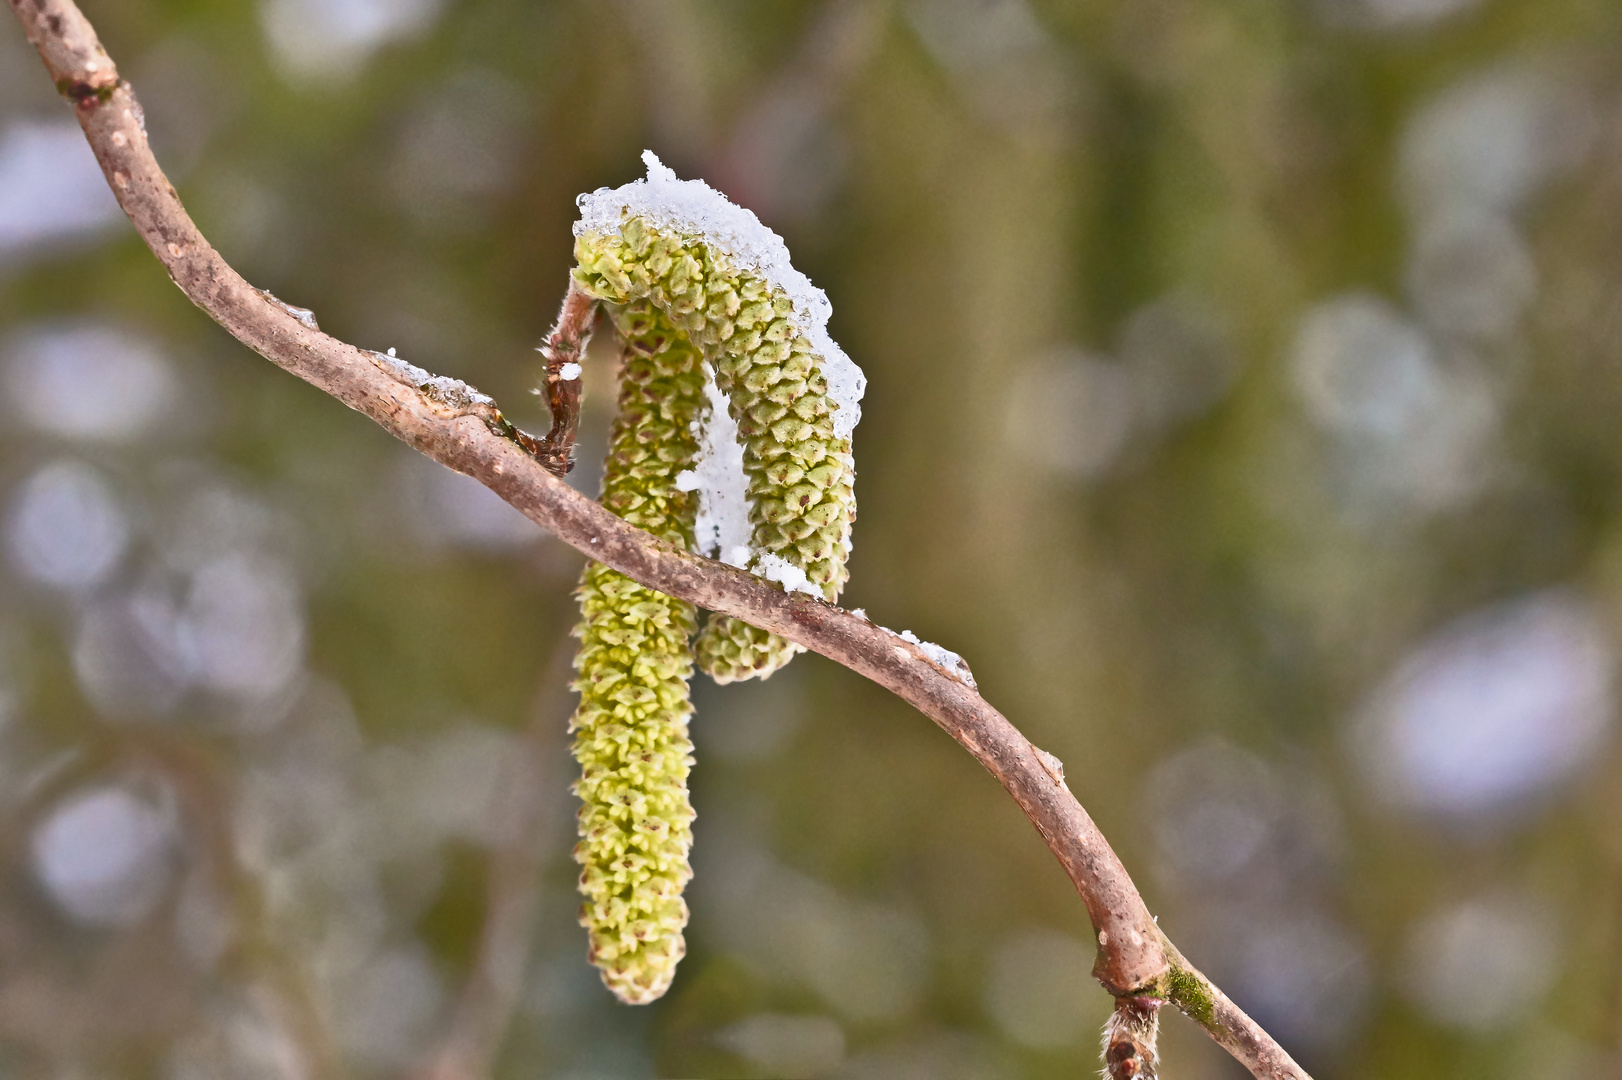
[(779, 399), (633, 669)]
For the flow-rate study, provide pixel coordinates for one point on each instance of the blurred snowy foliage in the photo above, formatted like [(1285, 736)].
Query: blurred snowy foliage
[(1243, 398)]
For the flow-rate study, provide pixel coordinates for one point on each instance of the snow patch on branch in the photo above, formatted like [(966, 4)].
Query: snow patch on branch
[(302, 314), (441, 388), (944, 657)]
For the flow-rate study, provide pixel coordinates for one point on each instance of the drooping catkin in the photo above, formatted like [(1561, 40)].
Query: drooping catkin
[(634, 665), (761, 344), (710, 311)]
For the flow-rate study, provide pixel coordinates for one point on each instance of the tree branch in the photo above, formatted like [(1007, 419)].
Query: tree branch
[(461, 429), (565, 347)]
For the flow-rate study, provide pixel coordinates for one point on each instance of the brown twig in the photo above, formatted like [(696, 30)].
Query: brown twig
[(1133, 957), (565, 345), (1130, 1051)]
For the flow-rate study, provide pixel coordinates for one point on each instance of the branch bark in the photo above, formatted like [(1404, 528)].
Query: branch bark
[(566, 346), (462, 430)]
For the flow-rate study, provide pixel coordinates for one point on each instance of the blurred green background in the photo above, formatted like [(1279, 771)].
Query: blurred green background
[(1243, 404)]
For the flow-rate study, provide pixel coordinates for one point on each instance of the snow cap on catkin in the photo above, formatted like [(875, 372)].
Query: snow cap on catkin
[(725, 280), (696, 211)]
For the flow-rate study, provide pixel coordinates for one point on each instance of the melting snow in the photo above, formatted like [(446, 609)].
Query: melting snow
[(442, 388), (791, 577), (693, 208), (302, 314), (945, 657), (722, 528)]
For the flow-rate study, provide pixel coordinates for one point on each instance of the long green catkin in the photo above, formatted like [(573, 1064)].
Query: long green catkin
[(634, 665), (691, 280), (799, 470)]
